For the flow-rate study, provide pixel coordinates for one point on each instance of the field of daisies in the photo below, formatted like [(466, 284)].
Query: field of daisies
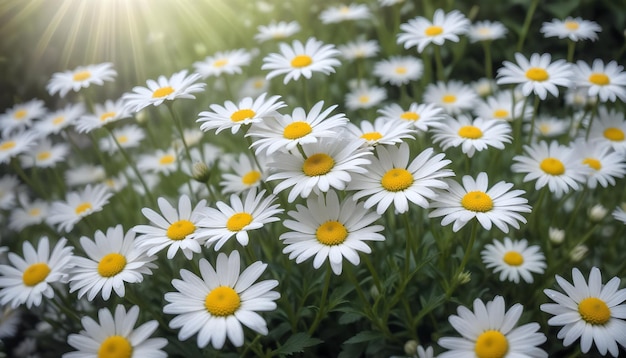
[(379, 178)]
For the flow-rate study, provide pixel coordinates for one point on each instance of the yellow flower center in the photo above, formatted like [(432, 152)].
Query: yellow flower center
[(43, 155), (364, 99), (81, 76), (614, 134), (242, 114), (301, 61), (35, 273), (433, 30), (115, 347), (599, 79), (58, 120), (344, 10), (571, 25), (20, 114), (449, 98), (34, 212), (470, 132), (513, 258), (397, 179), (180, 229), (491, 344), (162, 92), (167, 159), (372, 136), (593, 163), (222, 301), (410, 116), (82, 208), (238, 221), (258, 84), (552, 166), (544, 128), (400, 70), (220, 63), (297, 130), (106, 116), (7, 145), (122, 139), (477, 201), (331, 233), (251, 177), (594, 311), (318, 164), (111, 264), (500, 113), (537, 74)]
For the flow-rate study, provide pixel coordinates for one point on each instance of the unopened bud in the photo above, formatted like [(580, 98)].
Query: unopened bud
[(200, 172), (578, 253), (556, 235), (141, 117), (464, 277), (597, 213), (374, 292), (410, 348)]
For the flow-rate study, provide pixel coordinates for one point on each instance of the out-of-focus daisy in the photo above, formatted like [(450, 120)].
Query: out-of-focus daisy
[(575, 29), (301, 60), (499, 206), (364, 96), (605, 164), (382, 131), (609, 128), (55, 121), (285, 132), (29, 213), (620, 213), (109, 112), (421, 116), (115, 335), (10, 320), (247, 175), (359, 49), (329, 163), (277, 31), (116, 183), (330, 229), (339, 13), (113, 260), (514, 259), (27, 280), (536, 75), (485, 87), (234, 116), (254, 86), (399, 70), (16, 143), (608, 82), (589, 310), (161, 161), (490, 331), (176, 229), (392, 179), (454, 96), (218, 302), (551, 164), (578, 98), (228, 62), (84, 174), (8, 191), (500, 106), (45, 154), (179, 85), (21, 115), (486, 31), (472, 135), (80, 77), (549, 127), (128, 136), (242, 215), (420, 31), (77, 205)]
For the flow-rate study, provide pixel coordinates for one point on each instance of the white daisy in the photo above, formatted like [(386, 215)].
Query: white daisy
[(500, 106), (109, 112), (277, 31), (115, 335), (45, 154), (420, 32), (608, 82), (10, 320), (228, 62), (55, 121), (77, 205), (80, 77), (591, 311), (359, 49), (216, 304), (29, 213), (301, 60), (129, 136), (514, 259), (28, 279), (490, 331), (486, 31), (329, 229), (13, 144), (161, 161), (399, 70), (8, 191), (472, 135), (548, 127), (454, 96), (339, 13), (21, 116), (247, 175), (84, 174), (422, 116), (609, 128), (620, 213), (382, 131), (253, 87), (538, 75), (499, 206), (485, 87), (575, 29), (392, 179), (605, 164), (364, 96), (113, 260)]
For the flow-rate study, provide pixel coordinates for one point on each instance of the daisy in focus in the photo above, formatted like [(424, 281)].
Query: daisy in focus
[(77, 205), (607, 81), (228, 62), (382, 131), (589, 310), (80, 77), (514, 259), (109, 112), (420, 32), (486, 31), (421, 116), (472, 135), (277, 31), (21, 116), (247, 175), (217, 303), (454, 96), (352, 12), (329, 229), (399, 70), (363, 96), (574, 29), (606, 165), (491, 331), (499, 206), (536, 75), (608, 128)]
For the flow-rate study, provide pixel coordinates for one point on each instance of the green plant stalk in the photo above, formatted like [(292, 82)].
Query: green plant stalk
[(571, 46), (468, 252), (321, 312), (532, 119), (178, 123), (526, 26), (594, 113), (517, 129), (488, 64), (438, 63)]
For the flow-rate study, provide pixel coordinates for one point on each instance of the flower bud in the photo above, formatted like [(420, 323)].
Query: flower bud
[(410, 347), (556, 235), (200, 172), (597, 213), (578, 253)]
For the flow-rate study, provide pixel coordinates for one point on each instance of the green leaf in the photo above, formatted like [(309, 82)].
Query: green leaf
[(297, 343), (364, 336)]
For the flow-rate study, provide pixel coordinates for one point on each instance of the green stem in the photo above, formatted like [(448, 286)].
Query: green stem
[(408, 239), (438, 63), (20, 172), (571, 46), (594, 112), (532, 119), (488, 64), (517, 130), (526, 26), (321, 312), (178, 123), (468, 252)]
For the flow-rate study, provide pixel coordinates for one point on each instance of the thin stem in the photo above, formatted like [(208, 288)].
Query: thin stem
[(20, 172), (517, 130), (178, 123), (594, 112), (321, 312), (526, 26), (468, 252), (408, 239), (571, 46), (488, 64), (532, 120), (438, 63)]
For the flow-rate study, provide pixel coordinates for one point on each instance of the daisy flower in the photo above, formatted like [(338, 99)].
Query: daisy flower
[(548, 127), (605, 164), (16, 143), (129, 136), (247, 175), (329, 229), (392, 179), (178, 86), (277, 31), (472, 135), (620, 213), (486, 31), (29, 213), (217, 304), (8, 189), (242, 215), (399, 70), (10, 320), (454, 96), (20, 116), (608, 82), (421, 116), (253, 87), (490, 331), (364, 96), (382, 131), (27, 280), (301, 60), (77, 205), (84, 174), (575, 29), (329, 163), (175, 228), (514, 259), (113, 260), (359, 49), (161, 161), (499, 206), (287, 131), (80, 77), (538, 75), (109, 112), (232, 116), (500, 106), (591, 311), (45, 154), (115, 335), (609, 128), (339, 13), (485, 87), (55, 121), (551, 164), (228, 62), (420, 32)]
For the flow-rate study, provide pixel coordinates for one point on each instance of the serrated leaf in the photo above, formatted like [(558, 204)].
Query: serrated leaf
[(364, 336), (297, 343), (349, 317)]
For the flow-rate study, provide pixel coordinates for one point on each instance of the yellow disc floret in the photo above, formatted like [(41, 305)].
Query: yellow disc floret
[(251, 177), (35, 273), (594, 311), (242, 114), (477, 201), (222, 301), (491, 344), (162, 92), (111, 264), (238, 221), (433, 30), (397, 179), (552, 166), (410, 116), (599, 79), (180, 229), (81, 76), (513, 258), (115, 347), (537, 74), (301, 61), (331, 233), (82, 208), (470, 132), (318, 164), (297, 130), (614, 134)]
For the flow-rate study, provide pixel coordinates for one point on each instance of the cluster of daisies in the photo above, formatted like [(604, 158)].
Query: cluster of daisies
[(322, 178)]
